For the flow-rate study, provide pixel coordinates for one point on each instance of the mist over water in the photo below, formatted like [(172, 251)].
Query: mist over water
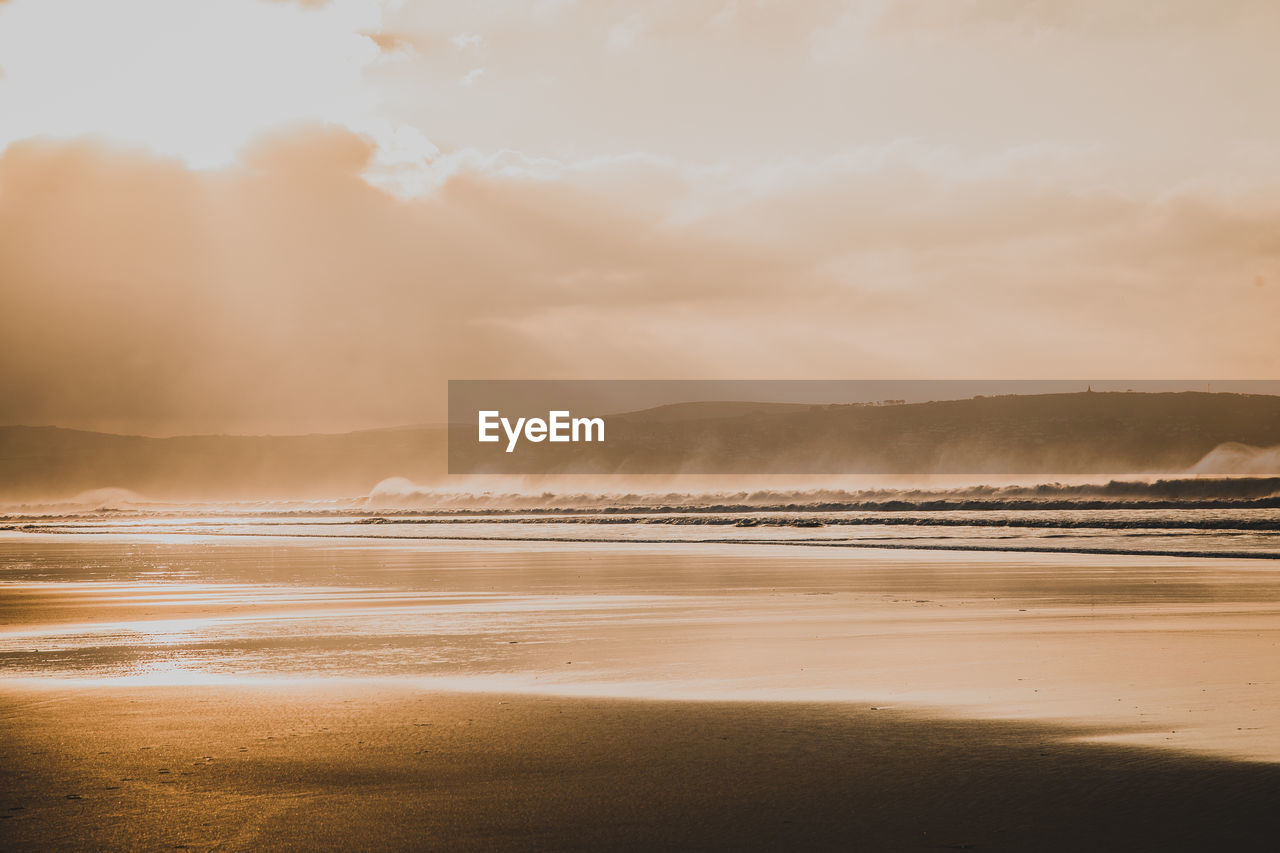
[(829, 493), (1234, 458), (1201, 516), (1197, 516)]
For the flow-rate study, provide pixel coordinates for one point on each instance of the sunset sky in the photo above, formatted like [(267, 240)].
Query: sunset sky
[(252, 216)]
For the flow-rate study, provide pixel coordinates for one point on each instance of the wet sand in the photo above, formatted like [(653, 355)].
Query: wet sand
[(235, 768), (272, 694), (1171, 652)]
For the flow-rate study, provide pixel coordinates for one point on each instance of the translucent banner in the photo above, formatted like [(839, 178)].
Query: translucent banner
[(853, 426)]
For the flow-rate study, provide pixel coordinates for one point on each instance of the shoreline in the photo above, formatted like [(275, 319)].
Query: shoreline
[(836, 544)]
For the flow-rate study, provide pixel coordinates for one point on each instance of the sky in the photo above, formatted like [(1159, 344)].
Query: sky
[(266, 216)]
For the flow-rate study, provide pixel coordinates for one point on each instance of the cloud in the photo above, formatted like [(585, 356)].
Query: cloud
[(321, 232), (287, 294), (626, 33), (1111, 17), (187, 79), (392, 43)]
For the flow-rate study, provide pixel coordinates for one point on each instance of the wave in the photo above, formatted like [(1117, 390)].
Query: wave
[(879, 544), (398, 497), (1179, 493), (1239, 459), (105, 500), (804, 520)]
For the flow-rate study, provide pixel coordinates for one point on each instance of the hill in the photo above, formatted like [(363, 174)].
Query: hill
[(49, 462), (1051, 434)]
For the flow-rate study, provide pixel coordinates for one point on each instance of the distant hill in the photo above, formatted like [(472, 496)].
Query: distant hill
[(48, 462), (709, 411), (1082, 433)]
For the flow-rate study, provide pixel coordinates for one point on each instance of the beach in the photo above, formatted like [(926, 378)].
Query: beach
[(707, 426), (164, 689), (357, 769)]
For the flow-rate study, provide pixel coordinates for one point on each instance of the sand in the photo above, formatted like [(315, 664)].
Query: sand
[(1171, 652), (361, 767), (269, 694)]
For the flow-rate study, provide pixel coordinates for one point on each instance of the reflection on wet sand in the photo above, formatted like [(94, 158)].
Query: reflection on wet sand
[(1154, 650)]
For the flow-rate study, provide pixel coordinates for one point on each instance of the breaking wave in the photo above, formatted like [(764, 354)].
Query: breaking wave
[(1239, 459), (398, 494)]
